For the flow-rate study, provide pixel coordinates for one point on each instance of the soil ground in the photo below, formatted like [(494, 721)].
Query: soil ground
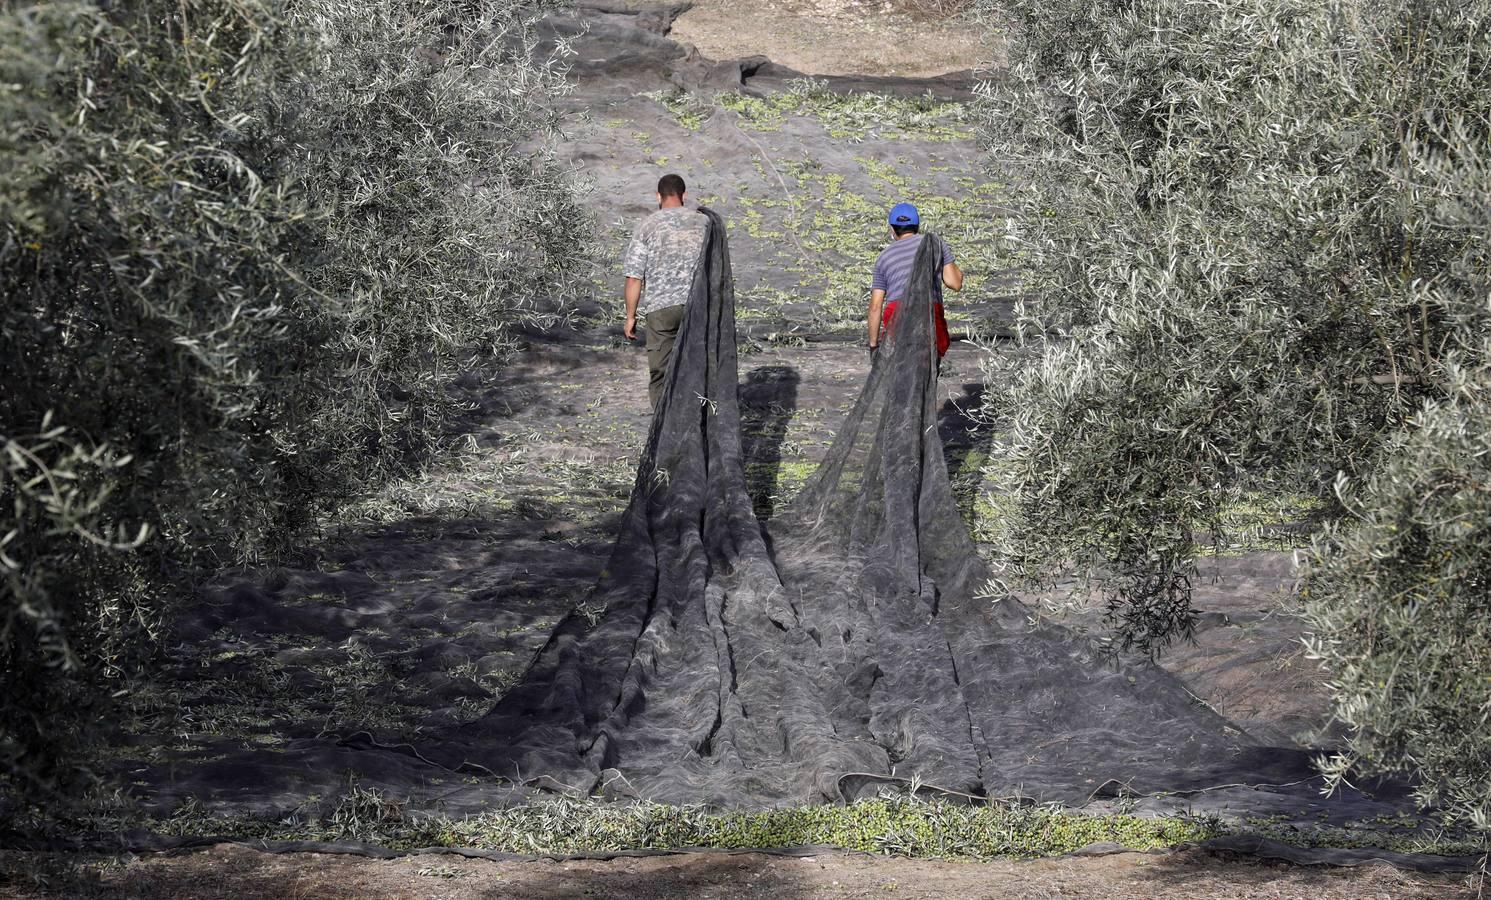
[(424, 601), (233, 872), (837, 37)]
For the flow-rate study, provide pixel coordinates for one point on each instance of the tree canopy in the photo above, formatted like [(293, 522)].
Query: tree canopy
[(1255, 239), (244, 247)]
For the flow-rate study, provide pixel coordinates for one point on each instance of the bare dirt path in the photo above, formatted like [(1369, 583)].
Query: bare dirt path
[(228, 872), (838, 37)]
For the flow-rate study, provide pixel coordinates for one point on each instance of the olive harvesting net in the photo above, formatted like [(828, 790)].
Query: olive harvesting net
[(844, 648)]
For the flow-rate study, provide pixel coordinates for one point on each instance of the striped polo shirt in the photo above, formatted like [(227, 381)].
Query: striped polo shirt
[(893, 268)]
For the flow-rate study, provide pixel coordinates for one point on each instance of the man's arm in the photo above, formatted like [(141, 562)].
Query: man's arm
[(633, 294), (877, 304), (952, 276)]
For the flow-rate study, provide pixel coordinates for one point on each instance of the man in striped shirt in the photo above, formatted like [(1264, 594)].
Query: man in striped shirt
[(893, 271)]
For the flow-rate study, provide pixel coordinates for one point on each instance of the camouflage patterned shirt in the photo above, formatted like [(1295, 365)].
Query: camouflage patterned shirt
[(663, 253)]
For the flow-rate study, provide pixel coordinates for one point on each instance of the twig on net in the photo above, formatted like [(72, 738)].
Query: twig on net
[(977, 798), (1214, 787), (414, 751)]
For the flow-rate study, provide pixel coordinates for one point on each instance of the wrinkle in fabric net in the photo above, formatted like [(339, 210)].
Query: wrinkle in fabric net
[(851, 649)]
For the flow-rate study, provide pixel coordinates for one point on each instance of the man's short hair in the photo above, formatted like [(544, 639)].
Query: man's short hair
[(671, 186), (905, 229)]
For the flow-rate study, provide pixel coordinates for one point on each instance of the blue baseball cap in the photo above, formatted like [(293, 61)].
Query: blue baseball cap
[(903, 214)]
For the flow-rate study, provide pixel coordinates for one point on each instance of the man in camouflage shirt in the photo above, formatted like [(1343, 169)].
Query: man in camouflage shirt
[(659, 269)]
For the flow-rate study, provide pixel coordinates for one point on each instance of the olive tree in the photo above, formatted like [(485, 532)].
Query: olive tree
[(245, 245), (1245, 275), (1398, 590)]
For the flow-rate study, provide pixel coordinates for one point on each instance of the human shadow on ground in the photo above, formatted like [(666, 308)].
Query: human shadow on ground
[(768, 401), (966, 442)]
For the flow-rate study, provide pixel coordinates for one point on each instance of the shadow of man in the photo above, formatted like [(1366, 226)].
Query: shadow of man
[(967, 439), (768, 400)]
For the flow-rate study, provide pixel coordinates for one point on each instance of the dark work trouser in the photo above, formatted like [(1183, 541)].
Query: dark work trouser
[(662, 331)]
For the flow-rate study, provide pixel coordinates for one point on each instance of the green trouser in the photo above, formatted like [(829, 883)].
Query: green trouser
[(662, 331)]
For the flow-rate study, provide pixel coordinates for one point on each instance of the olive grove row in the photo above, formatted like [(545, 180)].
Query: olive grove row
[(244, 245), (1258, 238)]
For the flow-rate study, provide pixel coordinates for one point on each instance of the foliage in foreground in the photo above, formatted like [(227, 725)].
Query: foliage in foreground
[(1257, 236), (1399, 590), (894, 825), (244, 246)]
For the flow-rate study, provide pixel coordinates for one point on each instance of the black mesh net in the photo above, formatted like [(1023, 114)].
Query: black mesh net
[(716, 663)]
